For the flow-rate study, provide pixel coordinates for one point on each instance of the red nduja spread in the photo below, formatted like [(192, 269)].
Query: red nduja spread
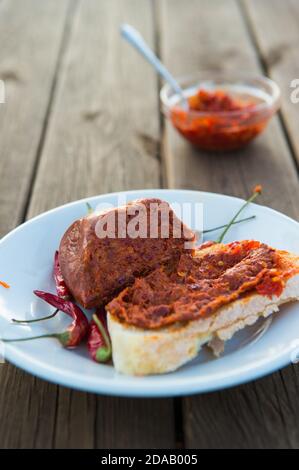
[(96, 268), (227, 123), (199, 285)]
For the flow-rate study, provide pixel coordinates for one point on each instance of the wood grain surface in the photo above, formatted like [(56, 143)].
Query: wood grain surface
[(276, 36), (29, 57), (102, 135), (260, 414)]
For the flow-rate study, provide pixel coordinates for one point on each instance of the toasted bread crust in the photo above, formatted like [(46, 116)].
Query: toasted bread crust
[(138, 351)]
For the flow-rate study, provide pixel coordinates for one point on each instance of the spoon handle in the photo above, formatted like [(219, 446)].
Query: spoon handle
[(135, 38)]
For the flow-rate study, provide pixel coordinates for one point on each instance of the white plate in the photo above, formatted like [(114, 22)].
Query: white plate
[(26, 260)]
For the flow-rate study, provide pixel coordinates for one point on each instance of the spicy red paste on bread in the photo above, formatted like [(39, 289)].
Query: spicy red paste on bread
[(96, 268), (199, 284)]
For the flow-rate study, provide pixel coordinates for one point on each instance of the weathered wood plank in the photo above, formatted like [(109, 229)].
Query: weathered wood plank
[(212, 35), (215, 45), (28, 56), (275, 30), (262, 415), (102, 136), (135, 423), (105, 126)]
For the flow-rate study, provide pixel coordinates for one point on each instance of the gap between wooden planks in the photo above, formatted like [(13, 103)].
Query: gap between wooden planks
[(214, 35), (29, 58), (275, 32), (102, 135)]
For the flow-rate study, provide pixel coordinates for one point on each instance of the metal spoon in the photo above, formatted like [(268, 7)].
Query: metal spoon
[(135, 38)]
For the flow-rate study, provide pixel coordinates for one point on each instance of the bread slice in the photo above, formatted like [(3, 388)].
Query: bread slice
[(142, 351)]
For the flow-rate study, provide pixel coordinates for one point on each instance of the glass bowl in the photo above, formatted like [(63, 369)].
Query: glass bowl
[(256, 100)]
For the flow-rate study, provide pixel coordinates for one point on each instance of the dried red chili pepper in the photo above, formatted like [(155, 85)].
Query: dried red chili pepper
[(98, 342), (4, 284), (61, 287), (74, 334)]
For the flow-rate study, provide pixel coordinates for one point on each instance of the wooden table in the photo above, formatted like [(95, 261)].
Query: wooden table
[(82, 118)]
